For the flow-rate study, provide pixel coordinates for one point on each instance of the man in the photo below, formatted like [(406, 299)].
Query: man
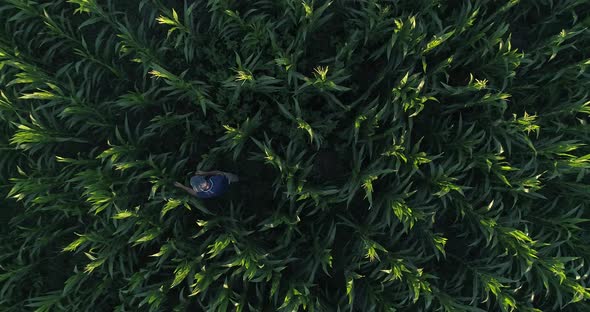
[(207, 184)]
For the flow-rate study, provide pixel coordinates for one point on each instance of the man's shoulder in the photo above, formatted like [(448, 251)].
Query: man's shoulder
[(218, 178), (219, 184)]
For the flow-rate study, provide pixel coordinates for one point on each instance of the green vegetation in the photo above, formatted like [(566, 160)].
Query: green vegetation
[(409, 155)]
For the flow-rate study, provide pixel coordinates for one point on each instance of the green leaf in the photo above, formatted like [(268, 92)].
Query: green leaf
[(180, 273), (124, 215), (170, 205)]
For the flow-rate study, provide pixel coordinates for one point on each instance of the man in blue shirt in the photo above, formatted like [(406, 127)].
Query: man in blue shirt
[(207, 184)]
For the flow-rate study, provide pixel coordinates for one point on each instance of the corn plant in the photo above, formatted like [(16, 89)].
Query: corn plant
[(402, 155)]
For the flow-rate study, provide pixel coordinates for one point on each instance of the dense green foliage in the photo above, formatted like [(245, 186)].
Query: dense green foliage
[(411, 155)]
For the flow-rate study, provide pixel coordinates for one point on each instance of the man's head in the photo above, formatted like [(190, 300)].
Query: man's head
[(200, 184)]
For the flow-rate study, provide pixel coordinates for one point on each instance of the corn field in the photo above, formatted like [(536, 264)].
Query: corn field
[(408, 155)]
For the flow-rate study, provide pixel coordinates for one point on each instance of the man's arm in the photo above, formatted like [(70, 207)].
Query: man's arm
[(187, 189), (230, 176), (205, 173)]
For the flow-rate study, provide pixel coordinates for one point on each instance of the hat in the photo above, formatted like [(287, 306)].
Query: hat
[(196, 182)]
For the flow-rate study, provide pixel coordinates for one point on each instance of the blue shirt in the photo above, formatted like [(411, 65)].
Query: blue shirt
[(219, 185)]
